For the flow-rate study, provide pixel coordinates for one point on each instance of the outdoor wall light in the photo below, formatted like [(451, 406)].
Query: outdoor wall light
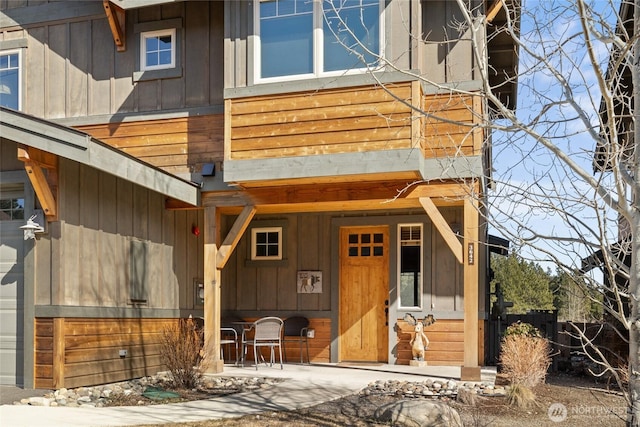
[(31, 228), (199, 292)]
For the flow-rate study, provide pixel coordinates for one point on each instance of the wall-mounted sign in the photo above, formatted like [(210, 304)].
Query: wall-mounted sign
[(309, 282)]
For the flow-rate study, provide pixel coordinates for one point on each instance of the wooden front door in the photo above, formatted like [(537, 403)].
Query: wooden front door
[(364, 293)]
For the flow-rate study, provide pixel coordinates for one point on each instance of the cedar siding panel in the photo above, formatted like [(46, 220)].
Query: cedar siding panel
[(446, 342), (179, 145), (326, 122), (448, 128), (90, 350), (352, 120)]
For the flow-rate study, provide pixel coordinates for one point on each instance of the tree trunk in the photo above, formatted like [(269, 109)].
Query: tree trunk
[(634, 279)]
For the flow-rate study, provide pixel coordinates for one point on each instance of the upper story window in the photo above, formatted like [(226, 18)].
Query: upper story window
[(10, 79), (305, 38), (410, 265), (158, 49)]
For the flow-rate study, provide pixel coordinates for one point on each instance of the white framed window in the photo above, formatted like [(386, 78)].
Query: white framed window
[(11, 209), (312, 38), (410, 266), (11, 79), (158, 49), (266, 243)]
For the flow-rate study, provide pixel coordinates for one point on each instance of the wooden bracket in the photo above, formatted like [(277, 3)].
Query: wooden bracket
[(232, 239), (493, 10), (441, 224), (34, 162), (116, 16)]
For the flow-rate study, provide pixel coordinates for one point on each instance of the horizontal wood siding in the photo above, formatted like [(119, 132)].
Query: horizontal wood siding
[(326, 122), (43, 353), (319, 345), (446, 343), (90, 353), (179, 145), (448, 129)]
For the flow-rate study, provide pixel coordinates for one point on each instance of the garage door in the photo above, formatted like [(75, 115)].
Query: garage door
[(11, 283)]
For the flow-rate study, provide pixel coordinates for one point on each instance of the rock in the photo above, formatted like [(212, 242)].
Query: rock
[(417, 413), (39, 401)]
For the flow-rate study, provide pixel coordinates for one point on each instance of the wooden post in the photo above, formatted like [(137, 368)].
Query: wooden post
[(212, 311), (470, 370)]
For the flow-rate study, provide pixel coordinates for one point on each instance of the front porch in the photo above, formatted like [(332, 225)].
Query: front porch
[(355, 373)]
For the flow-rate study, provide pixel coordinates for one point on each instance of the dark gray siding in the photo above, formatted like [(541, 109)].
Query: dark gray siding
[(74, 70)]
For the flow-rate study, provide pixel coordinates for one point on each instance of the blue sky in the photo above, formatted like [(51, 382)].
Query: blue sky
[(522, 166)]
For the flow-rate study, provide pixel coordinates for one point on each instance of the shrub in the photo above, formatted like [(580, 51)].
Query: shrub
[(520, 396), (525, 355), (182, 353)]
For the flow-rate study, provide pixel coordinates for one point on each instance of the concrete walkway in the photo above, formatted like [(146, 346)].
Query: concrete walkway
[(304, 386)]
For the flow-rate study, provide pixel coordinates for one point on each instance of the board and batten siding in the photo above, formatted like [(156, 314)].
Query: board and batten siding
[(446, 56), (240, 47), (87, 258), (270, 286), (73, 69)]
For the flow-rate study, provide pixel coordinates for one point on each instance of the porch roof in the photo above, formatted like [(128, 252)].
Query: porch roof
[(80, 147)]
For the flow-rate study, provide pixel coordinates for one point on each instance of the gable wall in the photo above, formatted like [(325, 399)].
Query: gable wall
[(88, 256), (72, 68)]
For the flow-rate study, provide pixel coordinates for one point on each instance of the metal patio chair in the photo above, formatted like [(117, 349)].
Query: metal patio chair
[(295, 331), (228, 336), (267, 332)]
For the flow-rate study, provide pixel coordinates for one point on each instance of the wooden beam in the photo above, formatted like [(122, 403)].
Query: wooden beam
[(39, 183), (493, 10), (41, 158), (441, 225), (444, 190), (178, 205), (212, 361), (116, 17), (232, 239), (471, 277)]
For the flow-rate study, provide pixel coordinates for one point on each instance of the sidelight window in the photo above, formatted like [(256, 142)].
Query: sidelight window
[(410, 265)]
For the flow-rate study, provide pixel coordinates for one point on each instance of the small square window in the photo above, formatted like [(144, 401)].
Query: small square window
[(11, 209), (266, 243), (158, 49)]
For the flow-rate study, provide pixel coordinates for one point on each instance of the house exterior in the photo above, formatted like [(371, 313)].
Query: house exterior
[(323, 188)]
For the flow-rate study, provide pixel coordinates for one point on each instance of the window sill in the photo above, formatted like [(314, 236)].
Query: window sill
[(266, 263), (169, 73), (320, 83)]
